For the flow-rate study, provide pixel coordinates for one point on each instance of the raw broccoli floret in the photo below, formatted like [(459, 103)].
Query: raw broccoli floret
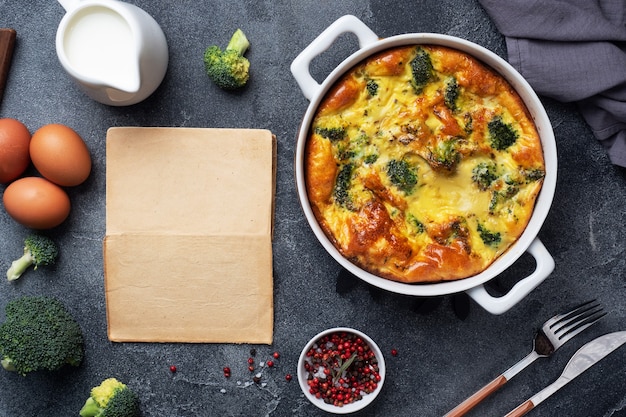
[(38, 250), (402, 175), (451, 93), (489, 238), (229, 69), (111, 399), (333, 134), (422, 70), (39, 334), (341, 191), (484, 174), (501, 134)]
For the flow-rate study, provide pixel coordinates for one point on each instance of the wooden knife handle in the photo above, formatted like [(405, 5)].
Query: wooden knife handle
[(521, 409), (7, 44), (477, 397)]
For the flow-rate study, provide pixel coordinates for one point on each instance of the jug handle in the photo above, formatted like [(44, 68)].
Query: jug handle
[(68, 4)]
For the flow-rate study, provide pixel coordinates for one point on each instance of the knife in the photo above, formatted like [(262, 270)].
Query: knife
[(583, 359)]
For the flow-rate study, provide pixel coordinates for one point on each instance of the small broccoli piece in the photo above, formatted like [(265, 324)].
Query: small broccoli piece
[(533, 174), (38, 250), (341, 191), (422, 70), (333, 134), (451, 93), (370, 159), (445, 155), (501, 134), (402, 175), (498, 197), (372, 87), (345, 153), (488, 237), (229, 69), (39, 334), (111, 399), (484, 174), (454, 230), (352, 149), (469, 123), (415, 224)]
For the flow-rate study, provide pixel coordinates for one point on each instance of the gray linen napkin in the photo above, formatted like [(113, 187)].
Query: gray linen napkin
[(573, 51)]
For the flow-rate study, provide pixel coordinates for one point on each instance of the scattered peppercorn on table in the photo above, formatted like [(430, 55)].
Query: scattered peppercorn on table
[(437, 350)]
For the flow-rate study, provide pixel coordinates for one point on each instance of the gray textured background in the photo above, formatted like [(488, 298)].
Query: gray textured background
[(442, 357)]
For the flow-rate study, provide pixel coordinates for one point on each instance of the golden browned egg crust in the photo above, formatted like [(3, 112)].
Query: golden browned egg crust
[(423, 165)]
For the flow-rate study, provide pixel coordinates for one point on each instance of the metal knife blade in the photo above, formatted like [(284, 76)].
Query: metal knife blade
[(587, 356)]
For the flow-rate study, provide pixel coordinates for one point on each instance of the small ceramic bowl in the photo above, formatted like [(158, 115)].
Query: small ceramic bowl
[(373, 378)]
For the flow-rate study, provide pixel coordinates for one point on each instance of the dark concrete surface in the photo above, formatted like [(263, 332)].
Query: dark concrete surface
[(444, 353)]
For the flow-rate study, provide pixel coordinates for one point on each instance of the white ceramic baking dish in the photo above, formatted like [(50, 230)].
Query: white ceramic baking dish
[(369, 44)]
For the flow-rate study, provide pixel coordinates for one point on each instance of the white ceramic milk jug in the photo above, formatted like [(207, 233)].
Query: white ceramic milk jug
[(115, 51)]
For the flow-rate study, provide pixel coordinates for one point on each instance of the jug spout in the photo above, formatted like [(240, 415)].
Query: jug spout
[(119, 96), (123, 89)]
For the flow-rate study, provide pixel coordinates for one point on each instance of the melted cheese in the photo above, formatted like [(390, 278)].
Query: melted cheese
[(437, 223)]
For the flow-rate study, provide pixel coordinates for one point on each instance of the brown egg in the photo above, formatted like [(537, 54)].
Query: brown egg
[(60, 155), (36, 203), (14, 149)]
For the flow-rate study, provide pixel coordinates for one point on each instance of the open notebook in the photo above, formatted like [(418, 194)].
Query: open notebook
[(188, 245)]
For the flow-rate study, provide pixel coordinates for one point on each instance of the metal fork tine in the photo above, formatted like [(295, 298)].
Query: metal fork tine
[(574, 315), (560, 317), (582, 325), (575, 311), (565, 325), (562, 327)]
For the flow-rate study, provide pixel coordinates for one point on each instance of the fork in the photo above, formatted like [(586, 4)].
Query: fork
[(553, 334)]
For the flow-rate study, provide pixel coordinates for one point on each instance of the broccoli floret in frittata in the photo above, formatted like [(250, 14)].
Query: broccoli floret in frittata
[(422, 70), (451, 93), (489, 238), (372, 87), (533, 174), (333, 134), (501, 135), (402, 175), (445, 155), (415, 225), (341, 191), (484, 174)]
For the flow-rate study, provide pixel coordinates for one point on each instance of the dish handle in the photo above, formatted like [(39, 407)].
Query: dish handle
[(499, 305), (300, 67)]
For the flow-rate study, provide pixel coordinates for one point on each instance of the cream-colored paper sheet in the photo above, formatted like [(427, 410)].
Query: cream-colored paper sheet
[(188, 245)]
